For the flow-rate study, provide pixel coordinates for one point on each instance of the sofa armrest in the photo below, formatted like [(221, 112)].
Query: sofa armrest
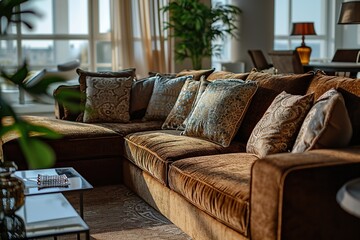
[(61, 111), (293, 196)]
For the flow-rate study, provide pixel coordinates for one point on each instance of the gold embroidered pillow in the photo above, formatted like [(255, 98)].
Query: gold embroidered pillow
[(327, 125), (165, 93), (107, 99), (182, 106), (220, 110), (276, 131)]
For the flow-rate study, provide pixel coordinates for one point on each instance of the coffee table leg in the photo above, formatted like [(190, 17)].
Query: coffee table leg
[(81, 205)]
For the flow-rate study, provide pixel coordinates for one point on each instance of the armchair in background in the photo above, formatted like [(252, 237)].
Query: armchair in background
[(287, 61), (258, 59)]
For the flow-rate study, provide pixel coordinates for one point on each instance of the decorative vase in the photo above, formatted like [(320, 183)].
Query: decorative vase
[(12, 227), (11, 189)]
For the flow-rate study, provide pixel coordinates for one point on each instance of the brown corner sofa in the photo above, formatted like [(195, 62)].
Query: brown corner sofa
[(216, 192)]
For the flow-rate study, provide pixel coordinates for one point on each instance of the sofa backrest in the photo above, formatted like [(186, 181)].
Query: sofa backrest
[(269, 86), (350, 89)]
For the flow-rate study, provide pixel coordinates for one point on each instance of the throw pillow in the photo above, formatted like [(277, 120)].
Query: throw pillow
[(82, 81), (141, 91), (165, 93), (277, 129), (269, 86), (182, 106), (327, 125), (107, 99), (349, 88), (220, 110), (203, 84), (196, 73)]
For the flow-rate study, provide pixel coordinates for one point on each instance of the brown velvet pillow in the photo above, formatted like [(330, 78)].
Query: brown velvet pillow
[(141, 92), (196, 73), (66, 112), (82, 81), (269, 86), (352, 103), (277, 129), (226, 75), (327, 125)]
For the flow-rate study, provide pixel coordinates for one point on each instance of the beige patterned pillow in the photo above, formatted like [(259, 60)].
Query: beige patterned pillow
[(107, 99), (327, 125), (165, 93), (220, 110), (182, 106), (276, 131)]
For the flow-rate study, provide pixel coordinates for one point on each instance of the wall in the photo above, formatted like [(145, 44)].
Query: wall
[(257, 27)]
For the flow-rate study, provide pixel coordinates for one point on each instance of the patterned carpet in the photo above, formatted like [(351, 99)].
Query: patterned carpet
[(114, 212)]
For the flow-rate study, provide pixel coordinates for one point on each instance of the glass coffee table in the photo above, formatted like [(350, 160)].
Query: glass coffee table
[(77, 182), (50, 215), (46, 211)]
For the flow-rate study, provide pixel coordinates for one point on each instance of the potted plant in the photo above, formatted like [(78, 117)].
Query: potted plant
[(195, 26)]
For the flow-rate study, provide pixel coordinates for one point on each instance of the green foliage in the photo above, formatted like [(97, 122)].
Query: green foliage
[(37, 153), (195, 25), (9, 9)]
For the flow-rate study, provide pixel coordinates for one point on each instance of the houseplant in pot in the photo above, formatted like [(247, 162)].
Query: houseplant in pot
[(195, 26)]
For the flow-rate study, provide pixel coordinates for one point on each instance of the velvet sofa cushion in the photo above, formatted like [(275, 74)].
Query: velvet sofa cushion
[(65, 111), (327, 125), (79, 140), (218, 185), (195, 73), (269, 86), (349, 88), (277, 129), (153, 151), (226, 75), (141, 91)]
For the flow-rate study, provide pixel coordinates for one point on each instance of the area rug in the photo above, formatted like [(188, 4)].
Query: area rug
[(114, 212)]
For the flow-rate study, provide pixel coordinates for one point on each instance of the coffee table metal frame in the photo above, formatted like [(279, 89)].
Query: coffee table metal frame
[(77, 183)]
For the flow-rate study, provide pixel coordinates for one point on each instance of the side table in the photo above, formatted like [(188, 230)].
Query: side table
[(348, 197)]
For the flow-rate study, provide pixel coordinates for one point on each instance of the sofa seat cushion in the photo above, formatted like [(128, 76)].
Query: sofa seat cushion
[(134, 126), (218, 185), (153, 151), (79, 140), (82, 140)]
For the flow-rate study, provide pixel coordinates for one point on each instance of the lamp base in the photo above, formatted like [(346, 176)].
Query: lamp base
[(304, 54)]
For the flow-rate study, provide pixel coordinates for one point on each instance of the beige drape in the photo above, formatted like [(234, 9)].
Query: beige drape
[(138, 39)]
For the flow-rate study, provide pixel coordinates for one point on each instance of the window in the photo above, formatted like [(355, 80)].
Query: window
[(64, 32), (320, 12)]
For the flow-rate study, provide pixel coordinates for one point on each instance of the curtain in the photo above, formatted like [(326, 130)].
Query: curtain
[(138, 39)]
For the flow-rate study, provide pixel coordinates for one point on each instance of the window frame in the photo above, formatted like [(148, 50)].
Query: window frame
[(327, 39)]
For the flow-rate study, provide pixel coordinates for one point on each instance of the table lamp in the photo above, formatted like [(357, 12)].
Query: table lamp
[(303, 28), (350, 13)]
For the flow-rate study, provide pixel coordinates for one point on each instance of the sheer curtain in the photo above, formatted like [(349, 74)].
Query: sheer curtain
[(138, 39)]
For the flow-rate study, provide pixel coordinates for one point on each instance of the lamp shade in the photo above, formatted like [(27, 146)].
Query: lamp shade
[(303, 28), (350, 13)]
